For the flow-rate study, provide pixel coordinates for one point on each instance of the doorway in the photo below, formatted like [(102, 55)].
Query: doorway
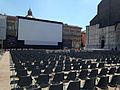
[(102, 43)]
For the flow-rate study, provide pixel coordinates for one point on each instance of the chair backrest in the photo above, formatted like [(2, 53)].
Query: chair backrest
[(76, 66), (118, 70), (58, 68), (58, 77), (71, 76), (101, 65), (48, 70), (93, 73), (43, 79), (83, 74), (103, 82), (93, 65), (84, 66), (74, 85), (114, 80), (89, 84), (22, 72), (103, 71), (56, 87), (24, 81), (67, 67), (36, 72), (112, 70)]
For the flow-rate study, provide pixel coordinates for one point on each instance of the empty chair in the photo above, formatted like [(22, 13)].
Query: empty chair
[(93, 73), (88, 62), (19, 67), (25, 81), (42, 66), (100, 65), (84, 66), (81, 62), (22, 72), (43, 80), (103, 82), (83, 74), (37, 63), (60, 63), (115, 81), (30, 68), (67, 62), (115, 61), (118, 70), (67, 67), (89, 84), (59, 68), (58, 77), (56, 87), (103, 72), (48, 70), (93, 65), (74, 85), (36, 72), (71, 76), (112, 70), (76, 66)]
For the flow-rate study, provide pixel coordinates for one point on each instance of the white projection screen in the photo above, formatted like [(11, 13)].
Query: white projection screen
[(36, 32)]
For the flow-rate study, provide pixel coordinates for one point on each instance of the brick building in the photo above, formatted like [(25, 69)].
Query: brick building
[(83, 39)]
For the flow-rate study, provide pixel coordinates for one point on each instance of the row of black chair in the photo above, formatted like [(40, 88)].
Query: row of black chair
[(90, 84)]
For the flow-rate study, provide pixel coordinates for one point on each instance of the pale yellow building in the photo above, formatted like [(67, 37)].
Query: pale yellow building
[(71, 36)]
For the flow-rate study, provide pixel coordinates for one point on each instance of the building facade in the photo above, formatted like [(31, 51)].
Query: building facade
[(71, 36), (2, 30), (104, 27), (11, 32)]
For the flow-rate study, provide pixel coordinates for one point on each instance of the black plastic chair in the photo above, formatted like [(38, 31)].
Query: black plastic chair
[(84, 66), (115, 81), (83, 74), (43, 80), (103, 72), (22, 72), (74, 85), (67, 67), (76, 66), (36, 72), (112, 71), (118, 70), (59, 68), (48, 70), (101, 65), (56, 87), (25, 81), (93, 73), (93, 65), (103, 82), (58, 77), (89, 84), (71, 76)]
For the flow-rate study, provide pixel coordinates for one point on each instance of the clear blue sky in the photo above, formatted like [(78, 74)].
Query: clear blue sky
[(73, 12)]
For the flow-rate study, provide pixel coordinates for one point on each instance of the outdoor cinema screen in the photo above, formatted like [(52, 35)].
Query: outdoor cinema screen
[(39, 32)]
